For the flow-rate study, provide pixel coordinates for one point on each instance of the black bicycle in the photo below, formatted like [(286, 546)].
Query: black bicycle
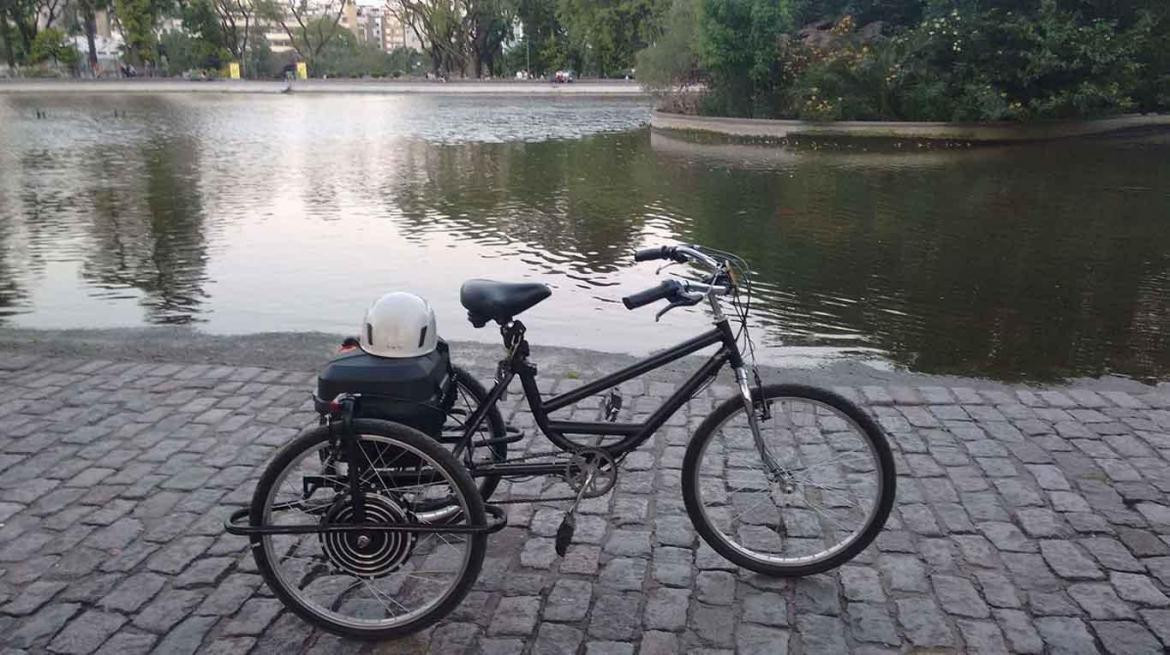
[(373, 529)]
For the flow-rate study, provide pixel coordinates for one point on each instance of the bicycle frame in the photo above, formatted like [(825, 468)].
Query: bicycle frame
[(634, 434)]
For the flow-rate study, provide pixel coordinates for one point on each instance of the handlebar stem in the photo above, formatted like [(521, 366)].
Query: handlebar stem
[(699, 257)]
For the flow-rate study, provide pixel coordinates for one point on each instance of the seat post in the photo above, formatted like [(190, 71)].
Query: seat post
[(513, 333)]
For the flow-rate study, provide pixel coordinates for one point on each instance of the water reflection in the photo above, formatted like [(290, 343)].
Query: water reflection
[(254, 214), (571, 209), (147, 229), (1024, 262)]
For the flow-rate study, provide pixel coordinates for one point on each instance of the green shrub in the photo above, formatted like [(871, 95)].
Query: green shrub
[(183, 52), (672, 59), (737, 47), (51, 45)]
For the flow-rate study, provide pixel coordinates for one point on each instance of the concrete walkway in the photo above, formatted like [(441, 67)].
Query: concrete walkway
[(1027, 521)]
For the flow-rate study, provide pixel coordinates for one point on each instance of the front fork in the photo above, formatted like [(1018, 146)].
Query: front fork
[(776, 472)]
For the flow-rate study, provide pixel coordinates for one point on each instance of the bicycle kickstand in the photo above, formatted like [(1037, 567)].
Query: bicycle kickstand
[(569, 522)]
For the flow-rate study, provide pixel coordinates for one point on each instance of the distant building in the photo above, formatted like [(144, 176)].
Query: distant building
[(379, 24), (278, 40), (366, 24), (396, 33)]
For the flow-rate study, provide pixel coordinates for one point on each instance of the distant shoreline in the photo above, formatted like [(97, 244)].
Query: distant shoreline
[(587, 88)]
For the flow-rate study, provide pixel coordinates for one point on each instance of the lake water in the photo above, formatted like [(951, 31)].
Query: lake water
[(286, 213)]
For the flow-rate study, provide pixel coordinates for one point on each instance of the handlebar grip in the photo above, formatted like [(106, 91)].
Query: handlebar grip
[(665, 290), (657, 252)]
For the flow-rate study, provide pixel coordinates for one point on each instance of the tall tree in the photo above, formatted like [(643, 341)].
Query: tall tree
[(439, 27), (609, 32), (488, 23), (6, 36), (88, 10), (544, 45), (138, 20), (236, 18)]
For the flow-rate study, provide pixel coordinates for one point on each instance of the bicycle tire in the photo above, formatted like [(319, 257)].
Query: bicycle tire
[(714, 538), (414, 439)]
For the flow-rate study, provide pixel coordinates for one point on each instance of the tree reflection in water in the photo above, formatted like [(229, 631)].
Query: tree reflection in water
[(147, 229)]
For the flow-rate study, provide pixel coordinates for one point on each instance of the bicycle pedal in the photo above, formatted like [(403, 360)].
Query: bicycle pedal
[(565, 534)]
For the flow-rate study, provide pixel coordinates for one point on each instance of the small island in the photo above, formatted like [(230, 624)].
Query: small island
[(1054, 65)]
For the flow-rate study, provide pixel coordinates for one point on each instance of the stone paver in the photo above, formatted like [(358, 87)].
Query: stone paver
[(1027, 521)]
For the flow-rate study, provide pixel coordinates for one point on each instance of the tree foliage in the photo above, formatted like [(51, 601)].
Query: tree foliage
[(20, 20), (479, 37), (51, 45), (138, 20), (672, 60), (236, 28), (605, 35), (961, 60), (346, 57), (737, 44), (183, 52), (461, 37), (543, 44)]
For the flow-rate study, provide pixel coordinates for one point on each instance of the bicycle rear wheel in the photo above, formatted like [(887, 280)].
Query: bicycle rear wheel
[(368, 584), (830, 498), (467, 395)]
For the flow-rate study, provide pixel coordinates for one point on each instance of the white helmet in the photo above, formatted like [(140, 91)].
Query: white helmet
[(399, 325)]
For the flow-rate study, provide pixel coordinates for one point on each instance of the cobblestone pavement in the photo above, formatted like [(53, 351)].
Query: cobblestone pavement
[(1027, 520)]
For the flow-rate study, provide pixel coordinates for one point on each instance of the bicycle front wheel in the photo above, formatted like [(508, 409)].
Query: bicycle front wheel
[(368, 584), (827, 499)]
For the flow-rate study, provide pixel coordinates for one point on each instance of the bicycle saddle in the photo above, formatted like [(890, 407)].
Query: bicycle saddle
[(486, 300)]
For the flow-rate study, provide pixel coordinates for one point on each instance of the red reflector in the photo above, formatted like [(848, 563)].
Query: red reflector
[(334, 407)]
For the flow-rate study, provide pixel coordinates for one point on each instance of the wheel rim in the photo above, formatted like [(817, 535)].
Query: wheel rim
[(365, 581), (823, 501)]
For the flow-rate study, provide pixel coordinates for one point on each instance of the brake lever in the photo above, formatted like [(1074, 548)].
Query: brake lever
[(664, 267), (689, 302)]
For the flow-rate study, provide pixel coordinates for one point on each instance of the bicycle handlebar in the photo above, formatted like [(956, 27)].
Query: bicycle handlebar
[(657, 252), (666, 289), (680, 254)]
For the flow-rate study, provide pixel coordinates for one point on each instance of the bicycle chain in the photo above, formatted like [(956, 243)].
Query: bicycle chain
[(549, 453)]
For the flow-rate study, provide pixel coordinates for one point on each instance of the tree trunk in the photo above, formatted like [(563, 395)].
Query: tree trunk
[(6, 34), (27, 34), (244, 68), (90, 22)]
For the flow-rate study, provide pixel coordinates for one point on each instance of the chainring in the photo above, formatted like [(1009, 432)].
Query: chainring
[(592, 472)]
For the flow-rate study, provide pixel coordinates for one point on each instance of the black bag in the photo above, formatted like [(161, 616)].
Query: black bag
[(408, 390)]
